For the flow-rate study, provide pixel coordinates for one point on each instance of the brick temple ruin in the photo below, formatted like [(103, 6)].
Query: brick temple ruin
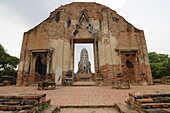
[(119, 47)]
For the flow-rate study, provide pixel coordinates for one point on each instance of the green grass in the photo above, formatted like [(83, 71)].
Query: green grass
[(44, 106)]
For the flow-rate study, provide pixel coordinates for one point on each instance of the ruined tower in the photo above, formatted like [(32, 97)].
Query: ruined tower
[(84, 65)]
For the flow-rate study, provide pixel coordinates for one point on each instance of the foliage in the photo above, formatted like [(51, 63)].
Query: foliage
[(8, 63), (160, 64), (44, 106)]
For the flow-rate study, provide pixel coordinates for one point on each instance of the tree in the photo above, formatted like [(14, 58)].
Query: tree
[(8, 63), (160, 64)]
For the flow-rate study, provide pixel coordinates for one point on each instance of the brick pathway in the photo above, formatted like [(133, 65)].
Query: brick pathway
[(86, 96), (89, 110)]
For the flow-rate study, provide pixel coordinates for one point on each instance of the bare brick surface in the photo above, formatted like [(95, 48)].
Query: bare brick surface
[(89, 110)]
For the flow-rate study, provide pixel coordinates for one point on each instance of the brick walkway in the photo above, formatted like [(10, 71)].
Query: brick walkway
[(86, 96), (89, 110)]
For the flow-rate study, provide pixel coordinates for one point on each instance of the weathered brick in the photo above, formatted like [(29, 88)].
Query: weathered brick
[(119, 47)]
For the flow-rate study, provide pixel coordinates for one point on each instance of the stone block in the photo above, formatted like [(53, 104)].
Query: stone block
[(43, 85), (121, 84), (2, 107)]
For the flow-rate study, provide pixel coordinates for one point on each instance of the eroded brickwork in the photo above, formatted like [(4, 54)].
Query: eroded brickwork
[(113, 37)]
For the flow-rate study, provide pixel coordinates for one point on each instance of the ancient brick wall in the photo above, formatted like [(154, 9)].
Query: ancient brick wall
[(110, 33)]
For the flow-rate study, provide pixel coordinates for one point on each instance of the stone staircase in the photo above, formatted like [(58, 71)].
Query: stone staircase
[(84, 77), (22, 103), (150, 102)]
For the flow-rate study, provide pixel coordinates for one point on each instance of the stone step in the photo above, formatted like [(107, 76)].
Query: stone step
[(22, 96), (135, 105), (84, 77), (22, 111), (22, 103), (158, 111), (124, 108), (86, 110), (83, 83), (15, 107), (150, 102), (154, 100), (147, 106), (149, 95), (18, 102), (155, 105)]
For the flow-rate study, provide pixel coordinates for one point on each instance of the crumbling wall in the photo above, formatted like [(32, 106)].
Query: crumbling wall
[(111, 34)]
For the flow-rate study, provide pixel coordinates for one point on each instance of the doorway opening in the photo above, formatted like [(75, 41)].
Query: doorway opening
[(84, 66), (39, 67), (78, 47)]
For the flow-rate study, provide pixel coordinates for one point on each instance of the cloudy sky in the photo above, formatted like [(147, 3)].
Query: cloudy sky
[(152, 16)]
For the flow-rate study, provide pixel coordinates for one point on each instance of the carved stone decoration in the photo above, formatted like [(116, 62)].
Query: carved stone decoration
[(84, 65), (91, 30), (89, 26)]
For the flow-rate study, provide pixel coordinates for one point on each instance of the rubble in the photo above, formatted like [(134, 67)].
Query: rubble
[(22, 103), (150, 102)]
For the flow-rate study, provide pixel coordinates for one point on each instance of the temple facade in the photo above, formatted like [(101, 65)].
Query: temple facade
[(119, 47)]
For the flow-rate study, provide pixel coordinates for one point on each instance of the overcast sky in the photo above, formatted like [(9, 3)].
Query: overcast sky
[(152, 16)]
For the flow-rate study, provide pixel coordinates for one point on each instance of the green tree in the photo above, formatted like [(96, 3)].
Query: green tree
[(160, 64), (8, 63)]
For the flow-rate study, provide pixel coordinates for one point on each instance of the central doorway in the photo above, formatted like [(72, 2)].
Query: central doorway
[(84, 61), (78, 47)]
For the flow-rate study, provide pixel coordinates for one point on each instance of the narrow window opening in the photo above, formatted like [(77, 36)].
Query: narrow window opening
[(57, 18), (129, 64), (68, 23), (115, 19)]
